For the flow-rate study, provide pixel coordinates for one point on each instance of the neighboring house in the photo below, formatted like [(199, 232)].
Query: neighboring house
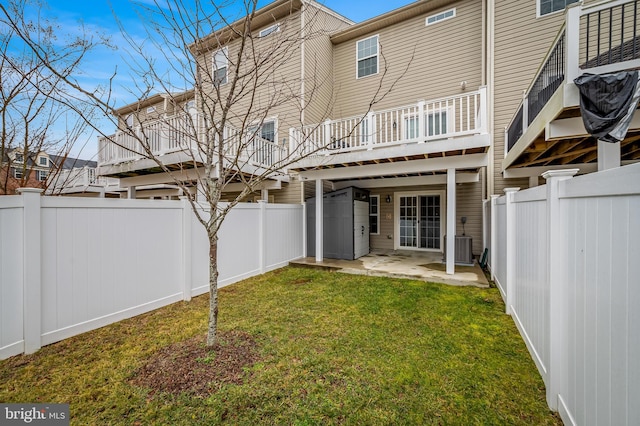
[(444, 136), (76, 177), (19, 169)]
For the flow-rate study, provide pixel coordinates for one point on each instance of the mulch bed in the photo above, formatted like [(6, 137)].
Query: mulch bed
[(192, 367)]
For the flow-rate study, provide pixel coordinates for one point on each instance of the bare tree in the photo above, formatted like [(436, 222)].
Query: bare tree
[(33, 99), (238, 77)]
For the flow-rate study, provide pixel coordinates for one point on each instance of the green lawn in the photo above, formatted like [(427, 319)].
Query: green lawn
[(333, 348)]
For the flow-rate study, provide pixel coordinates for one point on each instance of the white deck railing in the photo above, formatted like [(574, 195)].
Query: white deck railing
[(423, 121), (597, 38), (178, 134), (79, 177)]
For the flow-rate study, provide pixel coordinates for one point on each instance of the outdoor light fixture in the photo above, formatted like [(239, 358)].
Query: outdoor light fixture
[(388, 198)]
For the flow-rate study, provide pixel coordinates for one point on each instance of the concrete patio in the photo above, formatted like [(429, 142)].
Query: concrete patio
[(425, 266)]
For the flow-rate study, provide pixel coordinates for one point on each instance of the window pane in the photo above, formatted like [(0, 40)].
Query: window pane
[(220, 76), (268, 131), (368, 66)]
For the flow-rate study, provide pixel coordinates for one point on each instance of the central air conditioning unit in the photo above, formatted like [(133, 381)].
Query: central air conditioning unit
[(463, 250)]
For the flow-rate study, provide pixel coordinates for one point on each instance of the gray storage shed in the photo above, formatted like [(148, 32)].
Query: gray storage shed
[(345, 224)]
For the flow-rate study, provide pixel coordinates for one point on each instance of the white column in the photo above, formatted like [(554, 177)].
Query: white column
[(264, 195), (304, 220), (319, 220), (32, 272), (131, 193), (451, 220), (511, 246), (608, 155), (557, 279)]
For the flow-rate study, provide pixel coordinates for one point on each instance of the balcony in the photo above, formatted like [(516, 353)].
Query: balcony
[(173, 142), (452, 125), (547, 130), (79, 180)]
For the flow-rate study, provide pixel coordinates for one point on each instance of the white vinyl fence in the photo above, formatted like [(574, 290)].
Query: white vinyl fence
[(567, 264), (70, 265)]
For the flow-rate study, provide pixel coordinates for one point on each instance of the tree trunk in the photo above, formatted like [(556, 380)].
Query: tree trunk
[(213, 290)]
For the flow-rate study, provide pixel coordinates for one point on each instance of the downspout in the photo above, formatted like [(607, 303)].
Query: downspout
[(483, 82), (491, 94), (302, 37)]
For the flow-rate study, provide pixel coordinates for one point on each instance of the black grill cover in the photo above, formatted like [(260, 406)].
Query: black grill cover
[(607, 103)]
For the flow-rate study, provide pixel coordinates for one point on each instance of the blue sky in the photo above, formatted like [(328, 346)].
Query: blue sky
[(98, 16)]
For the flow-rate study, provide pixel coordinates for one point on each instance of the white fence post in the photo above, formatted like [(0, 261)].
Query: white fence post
[(510, 260), (187, 284), (262, 238), (557, 280), (32, 298), (494, 237)]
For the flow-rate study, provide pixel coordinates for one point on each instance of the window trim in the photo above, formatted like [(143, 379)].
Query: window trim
[(540, 15), (377, 56), (407, 117), (151, 109), (45, 163), (18, 157), (437, 19), (377, 215), (17, 173), (225, 55), (259, 125), (41, 175), (271, 29)]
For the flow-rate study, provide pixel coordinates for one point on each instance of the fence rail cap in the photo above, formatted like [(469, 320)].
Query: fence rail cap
[(560, 173)]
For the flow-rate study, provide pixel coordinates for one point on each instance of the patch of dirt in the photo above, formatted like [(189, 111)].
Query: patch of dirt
[(192, 367), (301, 281)]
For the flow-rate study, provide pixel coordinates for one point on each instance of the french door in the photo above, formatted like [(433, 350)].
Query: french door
[(420, 221)]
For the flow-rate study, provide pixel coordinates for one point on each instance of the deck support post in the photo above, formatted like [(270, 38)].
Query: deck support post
[(451, 220), (319, 217), (608, 155)]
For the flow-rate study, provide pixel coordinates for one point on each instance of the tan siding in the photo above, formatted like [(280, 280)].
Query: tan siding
[(444, 55), (319, 94)]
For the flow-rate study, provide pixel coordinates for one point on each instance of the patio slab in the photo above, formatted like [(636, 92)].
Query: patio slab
[(423, 266)]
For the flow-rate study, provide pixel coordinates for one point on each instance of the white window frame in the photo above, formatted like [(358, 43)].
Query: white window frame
[(151, 109), (377, 215), (44, 163), (275, 28), (539, 13), (440, 17), (412, 132), (41, 175), (223, 55), (17, 173), (377, 56), (257, 128), (18, 157), (406, 129)]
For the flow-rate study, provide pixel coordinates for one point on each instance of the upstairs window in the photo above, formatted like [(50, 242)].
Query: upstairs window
[(550, 6), (129, 120), (17, 173), (269, 30), (220, 65), (41, 175), (19, 158), (447, 14), (43, 161), (367, 56)]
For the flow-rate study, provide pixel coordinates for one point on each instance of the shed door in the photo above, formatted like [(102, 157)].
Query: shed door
[(360, 228)]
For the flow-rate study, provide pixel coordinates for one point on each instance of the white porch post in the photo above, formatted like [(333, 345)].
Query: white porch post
[(608, 155), (451, 220), (319, 212), (131, 193), (264, 195), (304, 220)]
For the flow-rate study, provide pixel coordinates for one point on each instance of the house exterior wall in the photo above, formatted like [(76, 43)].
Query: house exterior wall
[(444, 55), (468, 203)]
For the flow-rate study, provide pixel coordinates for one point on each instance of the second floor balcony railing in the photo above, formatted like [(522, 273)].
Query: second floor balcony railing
[(179, 134), (79, 177), (424, 121), (596, 38)]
